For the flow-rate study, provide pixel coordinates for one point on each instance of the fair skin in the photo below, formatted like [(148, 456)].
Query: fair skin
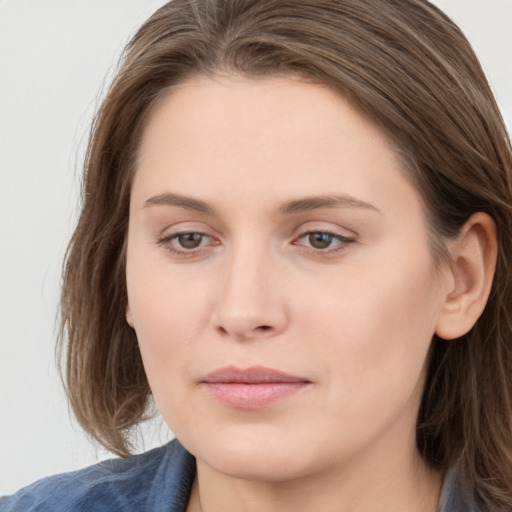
[(271, 226)]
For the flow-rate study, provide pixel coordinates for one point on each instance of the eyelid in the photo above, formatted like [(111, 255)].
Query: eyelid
[(183, 227), (167, 237), (331, 228), (341, 238), (344, 239)]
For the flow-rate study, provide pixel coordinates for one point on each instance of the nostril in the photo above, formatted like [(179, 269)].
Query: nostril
[(242, 333)]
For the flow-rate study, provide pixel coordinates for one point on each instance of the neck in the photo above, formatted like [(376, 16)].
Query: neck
[(391, 487)]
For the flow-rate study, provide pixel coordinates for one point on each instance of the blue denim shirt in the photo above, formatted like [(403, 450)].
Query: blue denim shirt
[(159, 480)]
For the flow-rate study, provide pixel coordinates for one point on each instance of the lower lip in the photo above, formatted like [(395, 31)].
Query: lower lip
[(253, 396)]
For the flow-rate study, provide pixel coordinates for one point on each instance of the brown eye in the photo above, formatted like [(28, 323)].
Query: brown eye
[(190, 240), (320, 240), (324, 242)]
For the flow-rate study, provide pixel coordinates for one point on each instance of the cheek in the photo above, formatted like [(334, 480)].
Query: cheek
[(167, 326), (168, 314), (167, 301), (374, 331)]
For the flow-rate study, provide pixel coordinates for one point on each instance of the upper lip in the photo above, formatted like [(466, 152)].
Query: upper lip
[(252, 375)]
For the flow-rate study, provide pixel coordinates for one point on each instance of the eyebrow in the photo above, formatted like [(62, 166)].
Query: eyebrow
[(188, 203), (324, 201), (295, 206)]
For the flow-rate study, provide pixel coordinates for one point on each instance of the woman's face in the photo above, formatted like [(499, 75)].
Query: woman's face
[(279, 278)]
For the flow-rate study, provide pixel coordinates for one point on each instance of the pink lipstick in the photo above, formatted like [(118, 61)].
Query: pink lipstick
[(252, 388)]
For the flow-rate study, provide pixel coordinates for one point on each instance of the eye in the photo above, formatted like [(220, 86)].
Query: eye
[(186, 243), (189, 240), (320, 240), (324, 241)]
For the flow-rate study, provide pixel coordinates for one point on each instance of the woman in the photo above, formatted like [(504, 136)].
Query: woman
[(294, 238)]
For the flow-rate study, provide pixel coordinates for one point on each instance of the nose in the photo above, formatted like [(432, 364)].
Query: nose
[(250, 301)]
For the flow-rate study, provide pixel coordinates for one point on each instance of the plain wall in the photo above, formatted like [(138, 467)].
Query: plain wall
[(54, 58)]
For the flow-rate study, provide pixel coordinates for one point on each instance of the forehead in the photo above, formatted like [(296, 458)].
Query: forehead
[(245, 105), (278, 137)]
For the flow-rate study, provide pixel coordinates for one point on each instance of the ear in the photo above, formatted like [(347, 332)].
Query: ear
[(129, 316), (473, 254)]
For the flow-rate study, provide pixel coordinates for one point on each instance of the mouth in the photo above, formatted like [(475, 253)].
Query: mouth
[(252, 388)]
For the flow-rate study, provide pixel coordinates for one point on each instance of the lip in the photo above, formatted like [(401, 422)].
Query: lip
[(252, 388)]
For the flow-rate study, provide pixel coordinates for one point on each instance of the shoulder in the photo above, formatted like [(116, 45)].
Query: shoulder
[(147, 481), (453, 498)]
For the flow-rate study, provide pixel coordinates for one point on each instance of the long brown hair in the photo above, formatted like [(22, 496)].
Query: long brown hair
[(403, 64)]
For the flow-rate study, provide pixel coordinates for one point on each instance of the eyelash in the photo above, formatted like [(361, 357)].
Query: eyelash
[(168, 242), (342, 244)]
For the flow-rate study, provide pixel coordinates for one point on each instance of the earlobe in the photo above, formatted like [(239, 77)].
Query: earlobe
[(473, 255), (129, 317)]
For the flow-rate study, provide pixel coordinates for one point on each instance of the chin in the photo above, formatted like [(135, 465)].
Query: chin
[(259, 465), (249, 456)]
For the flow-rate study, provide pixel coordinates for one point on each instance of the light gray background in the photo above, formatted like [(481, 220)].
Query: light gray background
[(54, 57)]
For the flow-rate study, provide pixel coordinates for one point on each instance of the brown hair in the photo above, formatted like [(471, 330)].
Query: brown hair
[(407, 67)]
